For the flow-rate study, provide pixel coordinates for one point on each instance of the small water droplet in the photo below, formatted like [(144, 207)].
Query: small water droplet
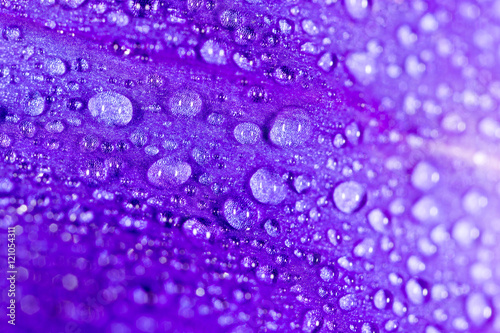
[(349, 196), (291, 128), (111, 108), (185, 103), (247, 133), (267, 187), (167, 172)]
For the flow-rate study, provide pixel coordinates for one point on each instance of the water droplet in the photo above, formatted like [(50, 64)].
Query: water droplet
[(27, 128), (139, 138), (185, 103), (193, 227), (72, 3), (111, 108), (353, 133), (478, 309), (302, 183), (348, 302), (474, 202), (240, 213), (369, 328), (214, 53), (349, 196), (247, 133), (266, 274), (35, 105), (272, 227), (426, 210), (290, 128), (424, 176), (231, 19), (364, 248), (382, 299), (357, 9), (167, 172), (327, 61), (417, 291), (339, 140), (54, 126), (378, 220), (55, 66), (267, 187), (362, 66), (465, 232), (310, 27), (12, 33), (327, 274), (313, 321)]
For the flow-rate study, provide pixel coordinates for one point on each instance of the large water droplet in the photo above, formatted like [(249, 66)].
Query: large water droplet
[(357, 9), (290, 128), (426, 210), (378, 220), (167, 172), (111, 108), (348, 302), (240, 213), (349, 196), (186, 103), (193, 227), (247, 133), (465, 232), (35, 105), (382, 299), (312, 321), (362, 66), (214, 53), (267, 187), (424, 176), (55, 66), (478, 309), (417, 291)]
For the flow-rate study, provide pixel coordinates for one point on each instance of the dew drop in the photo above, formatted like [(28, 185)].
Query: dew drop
[(12, 33), (247, 133), (465, 232), (478, 309), (382, 299), (313, 321), (272, 227), (35, 105), (214, 53), (424, 176), (267, 187), (348, 302), (167, 173), (378, 220), (55, 66), (362, 66), (240, 213), (194, 228), (111, 108), (349, 196), (54, 126), (426, 210), (291, 128), (266, 274), (185, 103), (357, 9), (417, 291)]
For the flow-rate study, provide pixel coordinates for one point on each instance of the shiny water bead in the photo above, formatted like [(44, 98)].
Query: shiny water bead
[(426, 210), (357, 9), (266, 274), (291, 128), (194, 228), (73, 4), (247, 133), (313, 321), (55, 66), (464, 232), (185, 103), (363, 66), (12, 33), (474, 201), (54, 126), (268, 187), (214, 53), (302, 183), (349, 196), (417, 291), (478, 308), (327, 274), (240, 213), (378, 220), (327, 62), (348, 302), (272, 227), (353, 133), (139, 138), (310, 27), (111, 108), (35, 105), (231, 19), (424, 176), (339, 140), (382, 299), (167, 172)]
